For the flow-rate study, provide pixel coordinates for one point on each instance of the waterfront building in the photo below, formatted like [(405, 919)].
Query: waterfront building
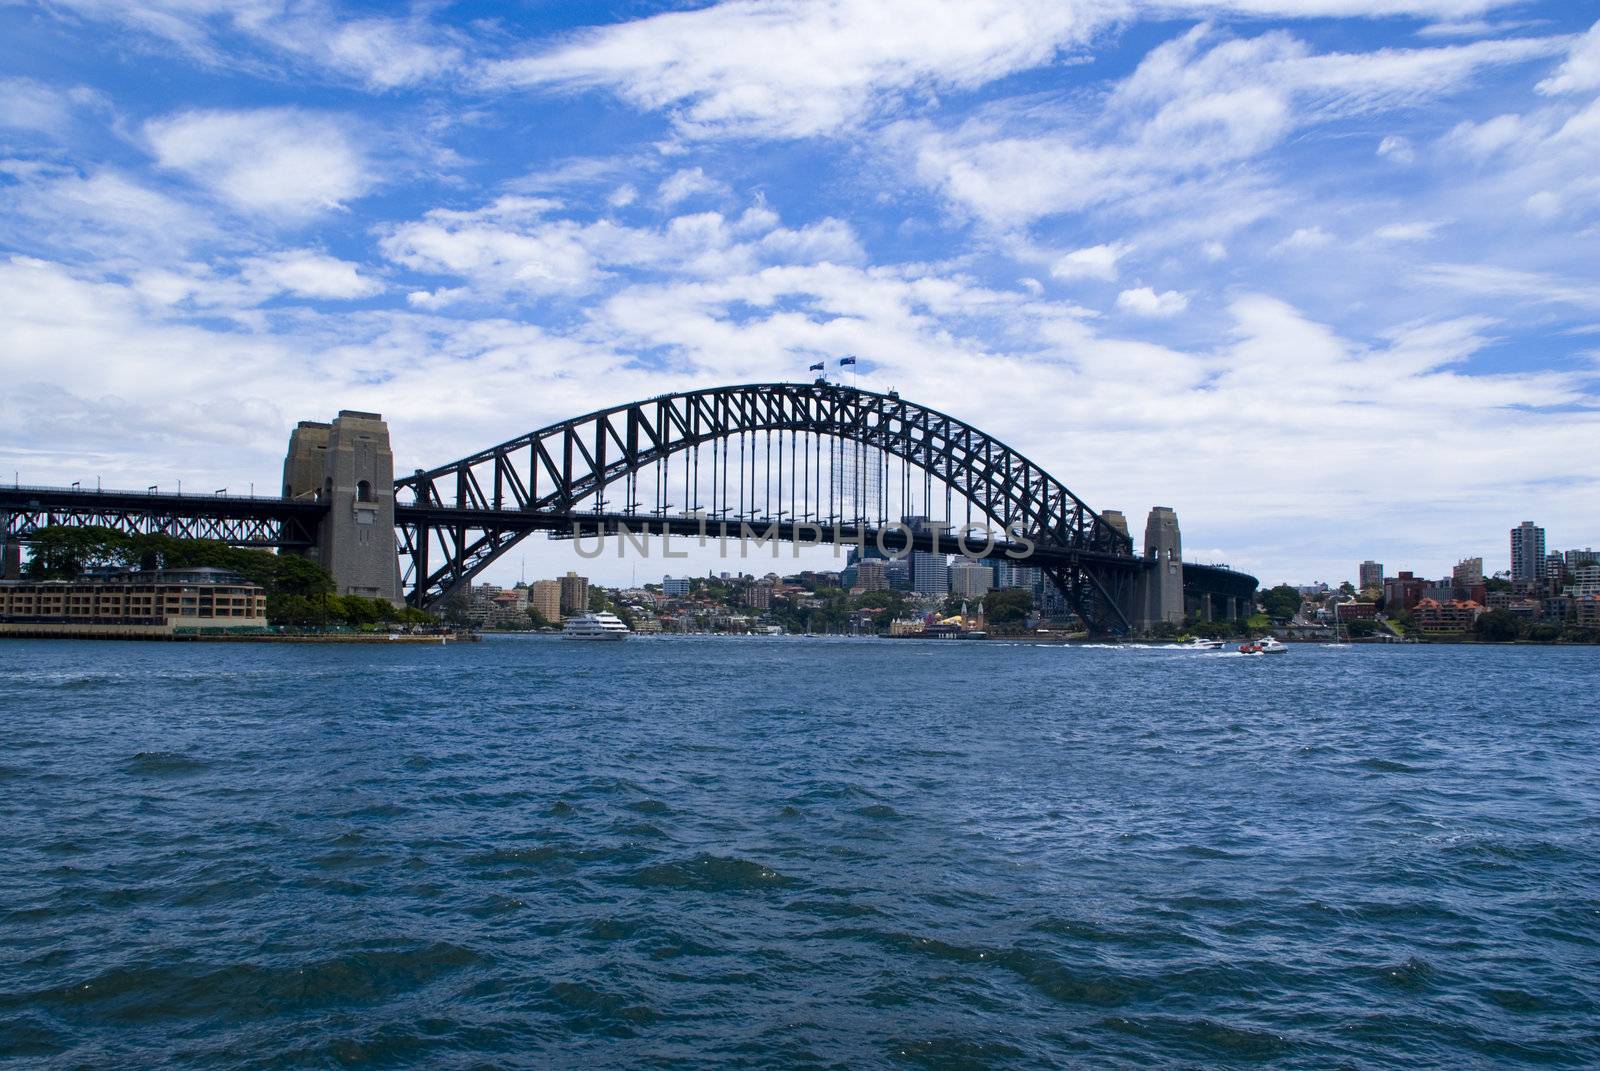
[(574, 593), (1356, 611), (1527, 553), (1369, 576), (148, 603), (1585, 581), (1556, 607), (758, 596), (544, 598), (970, 579), (1586, 611), (1457, 615)]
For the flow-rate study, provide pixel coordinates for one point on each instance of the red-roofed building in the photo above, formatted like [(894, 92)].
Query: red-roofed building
[(1457, 615)]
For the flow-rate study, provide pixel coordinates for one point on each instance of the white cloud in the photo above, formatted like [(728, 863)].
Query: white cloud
[(1187, 114), (1581, 71), (27, 104), (520, 245), (1415, 231), (281, 162), (1493, 281), (383, 53), (1093, 262), (1144, 301), (686, 183), (104, 213), (1398, 149), (1305, 238), (622, 196), (306, 273), (785, 68)]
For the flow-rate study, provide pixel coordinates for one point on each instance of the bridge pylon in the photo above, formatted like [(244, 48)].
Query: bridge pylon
[(348, 465), (1158, 595)]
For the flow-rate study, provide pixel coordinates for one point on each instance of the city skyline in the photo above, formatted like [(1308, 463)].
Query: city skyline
[(1342, 308)]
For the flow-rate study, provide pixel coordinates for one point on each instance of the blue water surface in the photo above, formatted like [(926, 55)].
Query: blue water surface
[(796, 853)]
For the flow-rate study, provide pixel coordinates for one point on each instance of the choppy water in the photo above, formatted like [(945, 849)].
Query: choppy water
[(797, 853)]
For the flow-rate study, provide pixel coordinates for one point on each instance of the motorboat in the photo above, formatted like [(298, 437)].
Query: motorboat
[(1264, 646), (595, 626), (1199, 643)]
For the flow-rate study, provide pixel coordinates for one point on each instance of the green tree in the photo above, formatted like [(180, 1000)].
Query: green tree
[(1007, 608), (59, 552), (1498, 626), (1281, 603), (1357, 629)]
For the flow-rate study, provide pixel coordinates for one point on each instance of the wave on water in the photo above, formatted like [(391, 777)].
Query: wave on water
[(711, 873), (154, 763)]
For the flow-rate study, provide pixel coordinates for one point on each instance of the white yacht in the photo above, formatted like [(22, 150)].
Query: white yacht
[(1197, 643), (596, 626)]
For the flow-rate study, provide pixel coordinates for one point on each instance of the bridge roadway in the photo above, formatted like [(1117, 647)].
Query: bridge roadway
[(259, 521)]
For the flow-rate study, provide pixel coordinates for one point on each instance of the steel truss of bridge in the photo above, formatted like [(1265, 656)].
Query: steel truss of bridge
[(239, 520), (785, 452), (815, 462)]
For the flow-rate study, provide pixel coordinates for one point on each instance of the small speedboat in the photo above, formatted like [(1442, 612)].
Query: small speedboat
[(1264, 646)]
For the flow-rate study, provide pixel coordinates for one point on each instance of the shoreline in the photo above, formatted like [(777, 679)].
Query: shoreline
[(155, 636)]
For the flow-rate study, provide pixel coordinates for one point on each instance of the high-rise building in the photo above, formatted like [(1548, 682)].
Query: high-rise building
[(574, 593), (1527, 553), (970, 579), (1008, 574), (1575, 558), (675, 587), (544, 597), (870, 575), (1370, 575), (930, 573)]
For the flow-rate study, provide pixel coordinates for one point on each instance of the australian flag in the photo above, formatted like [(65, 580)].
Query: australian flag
[(846, 360), (816, 367)]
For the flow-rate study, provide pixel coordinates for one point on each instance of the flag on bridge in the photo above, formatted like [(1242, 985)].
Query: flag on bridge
[(816, 367), (846, 360)]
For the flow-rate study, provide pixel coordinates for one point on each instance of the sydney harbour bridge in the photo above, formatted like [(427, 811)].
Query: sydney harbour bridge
[(808, 463)]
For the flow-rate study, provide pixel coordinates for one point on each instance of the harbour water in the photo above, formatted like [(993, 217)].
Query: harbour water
[(777, 853)]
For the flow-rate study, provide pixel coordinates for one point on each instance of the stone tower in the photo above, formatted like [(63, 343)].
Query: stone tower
[(1160, 595), (305, 465), (348, 464)]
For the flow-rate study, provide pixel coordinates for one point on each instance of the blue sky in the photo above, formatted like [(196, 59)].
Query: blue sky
[(1320, 274)]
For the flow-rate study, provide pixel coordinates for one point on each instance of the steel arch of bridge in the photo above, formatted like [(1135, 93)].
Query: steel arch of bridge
[(478, 507)]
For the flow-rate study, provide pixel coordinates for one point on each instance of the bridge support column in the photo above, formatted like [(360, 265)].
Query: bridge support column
[(355, 477), (1160, 589), (10, 559)]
